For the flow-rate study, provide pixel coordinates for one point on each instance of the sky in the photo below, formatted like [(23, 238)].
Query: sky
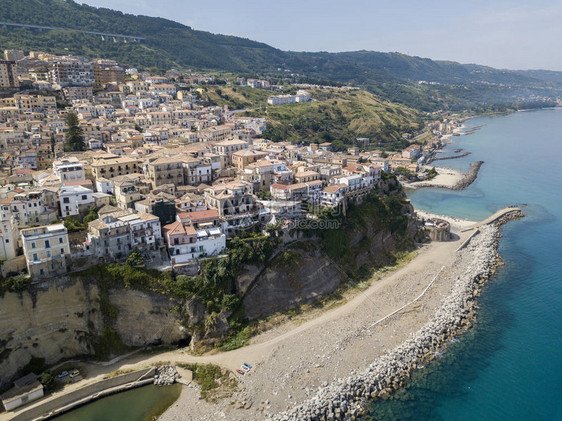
[(512, 34)]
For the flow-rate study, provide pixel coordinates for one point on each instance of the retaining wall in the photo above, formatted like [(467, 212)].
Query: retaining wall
[(43, 411)]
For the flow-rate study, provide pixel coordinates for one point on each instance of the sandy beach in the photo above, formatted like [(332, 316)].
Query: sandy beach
[(291, 362), (446, 178)]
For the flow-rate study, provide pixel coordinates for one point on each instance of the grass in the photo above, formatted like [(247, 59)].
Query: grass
[(334, 115), (238, 340), (236, 97), (214, 382), (118, 373)]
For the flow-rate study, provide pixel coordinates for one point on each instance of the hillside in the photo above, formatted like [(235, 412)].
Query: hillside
[(333, 115), (169, 44)]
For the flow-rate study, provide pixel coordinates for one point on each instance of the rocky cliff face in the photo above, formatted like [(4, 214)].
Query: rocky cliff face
[(293, 278), (62, 319), (302, 272)]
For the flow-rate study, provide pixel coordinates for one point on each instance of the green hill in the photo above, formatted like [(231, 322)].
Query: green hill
[(169, 44), (332, 116)]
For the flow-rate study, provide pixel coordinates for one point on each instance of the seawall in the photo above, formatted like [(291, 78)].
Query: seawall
[(87, 394)]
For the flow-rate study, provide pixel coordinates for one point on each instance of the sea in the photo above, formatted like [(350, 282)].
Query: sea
[(509, 365)]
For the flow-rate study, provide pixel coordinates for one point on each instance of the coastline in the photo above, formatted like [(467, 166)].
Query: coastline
[(450, 179), (308, 358), (361, 339), (348, 398)]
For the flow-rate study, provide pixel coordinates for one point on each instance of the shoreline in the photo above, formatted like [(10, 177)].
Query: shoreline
[(450, 179), (350, 397), (307, 385), (308, 355)]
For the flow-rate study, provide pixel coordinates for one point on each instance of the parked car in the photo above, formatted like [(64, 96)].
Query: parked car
[(62, 375), (74, 373), (243, 367), (247, 365), (241, 372)]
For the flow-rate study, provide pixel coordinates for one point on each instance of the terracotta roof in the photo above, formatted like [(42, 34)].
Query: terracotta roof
[(201, 215), (175, 228)]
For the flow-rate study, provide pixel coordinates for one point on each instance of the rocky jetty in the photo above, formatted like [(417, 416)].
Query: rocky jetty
[(443, 158), (347, 399), (165, 375), (469, 177)]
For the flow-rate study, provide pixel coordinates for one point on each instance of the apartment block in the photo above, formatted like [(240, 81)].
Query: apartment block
[(45, 249), (116, 234), (70, 71), (8, 75), (106, 72)]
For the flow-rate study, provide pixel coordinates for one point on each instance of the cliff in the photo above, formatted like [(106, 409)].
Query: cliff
[(315, 262), (108, 309), (62, 319)]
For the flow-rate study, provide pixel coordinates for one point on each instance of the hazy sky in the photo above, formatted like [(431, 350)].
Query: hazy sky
[(516, 34)]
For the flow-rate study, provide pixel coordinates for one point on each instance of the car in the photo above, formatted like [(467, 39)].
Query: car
[(240, 372), (62, 375), (74, 373), (246, 369), (247, 365)]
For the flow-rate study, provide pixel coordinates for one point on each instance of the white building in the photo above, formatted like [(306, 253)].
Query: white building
[(45, 249), (103, 185), (332, 196), (8, 239), (75, 199), (186, 243), (301, 96), (69, 169), (25, 390)]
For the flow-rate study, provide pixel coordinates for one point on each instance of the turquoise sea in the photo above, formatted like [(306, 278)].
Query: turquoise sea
[(509, 366)]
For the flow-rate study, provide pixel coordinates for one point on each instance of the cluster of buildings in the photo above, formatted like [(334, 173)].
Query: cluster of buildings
[(300, 96), (162, 173)]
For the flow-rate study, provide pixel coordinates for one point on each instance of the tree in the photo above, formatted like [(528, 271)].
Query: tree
[(75, 135), (138, 128), (135, 258), (338, 145)]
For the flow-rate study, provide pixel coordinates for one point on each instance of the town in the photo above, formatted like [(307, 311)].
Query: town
[(98, 160)]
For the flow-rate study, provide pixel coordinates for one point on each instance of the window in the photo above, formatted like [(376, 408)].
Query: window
[(65, 200), (60, 240), (35, 258), (84, 197), (61, 251), (48, 254), (47, 244), (32, 245)]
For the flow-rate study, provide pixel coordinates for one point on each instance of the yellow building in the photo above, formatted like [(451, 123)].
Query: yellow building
[(113, 166)]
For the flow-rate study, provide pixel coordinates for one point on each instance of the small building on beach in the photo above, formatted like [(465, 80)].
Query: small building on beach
[(439, 230), (25, 390)]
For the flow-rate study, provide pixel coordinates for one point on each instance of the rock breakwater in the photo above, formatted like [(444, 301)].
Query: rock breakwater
[(165, 375), (347, 399), (469, 177)]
